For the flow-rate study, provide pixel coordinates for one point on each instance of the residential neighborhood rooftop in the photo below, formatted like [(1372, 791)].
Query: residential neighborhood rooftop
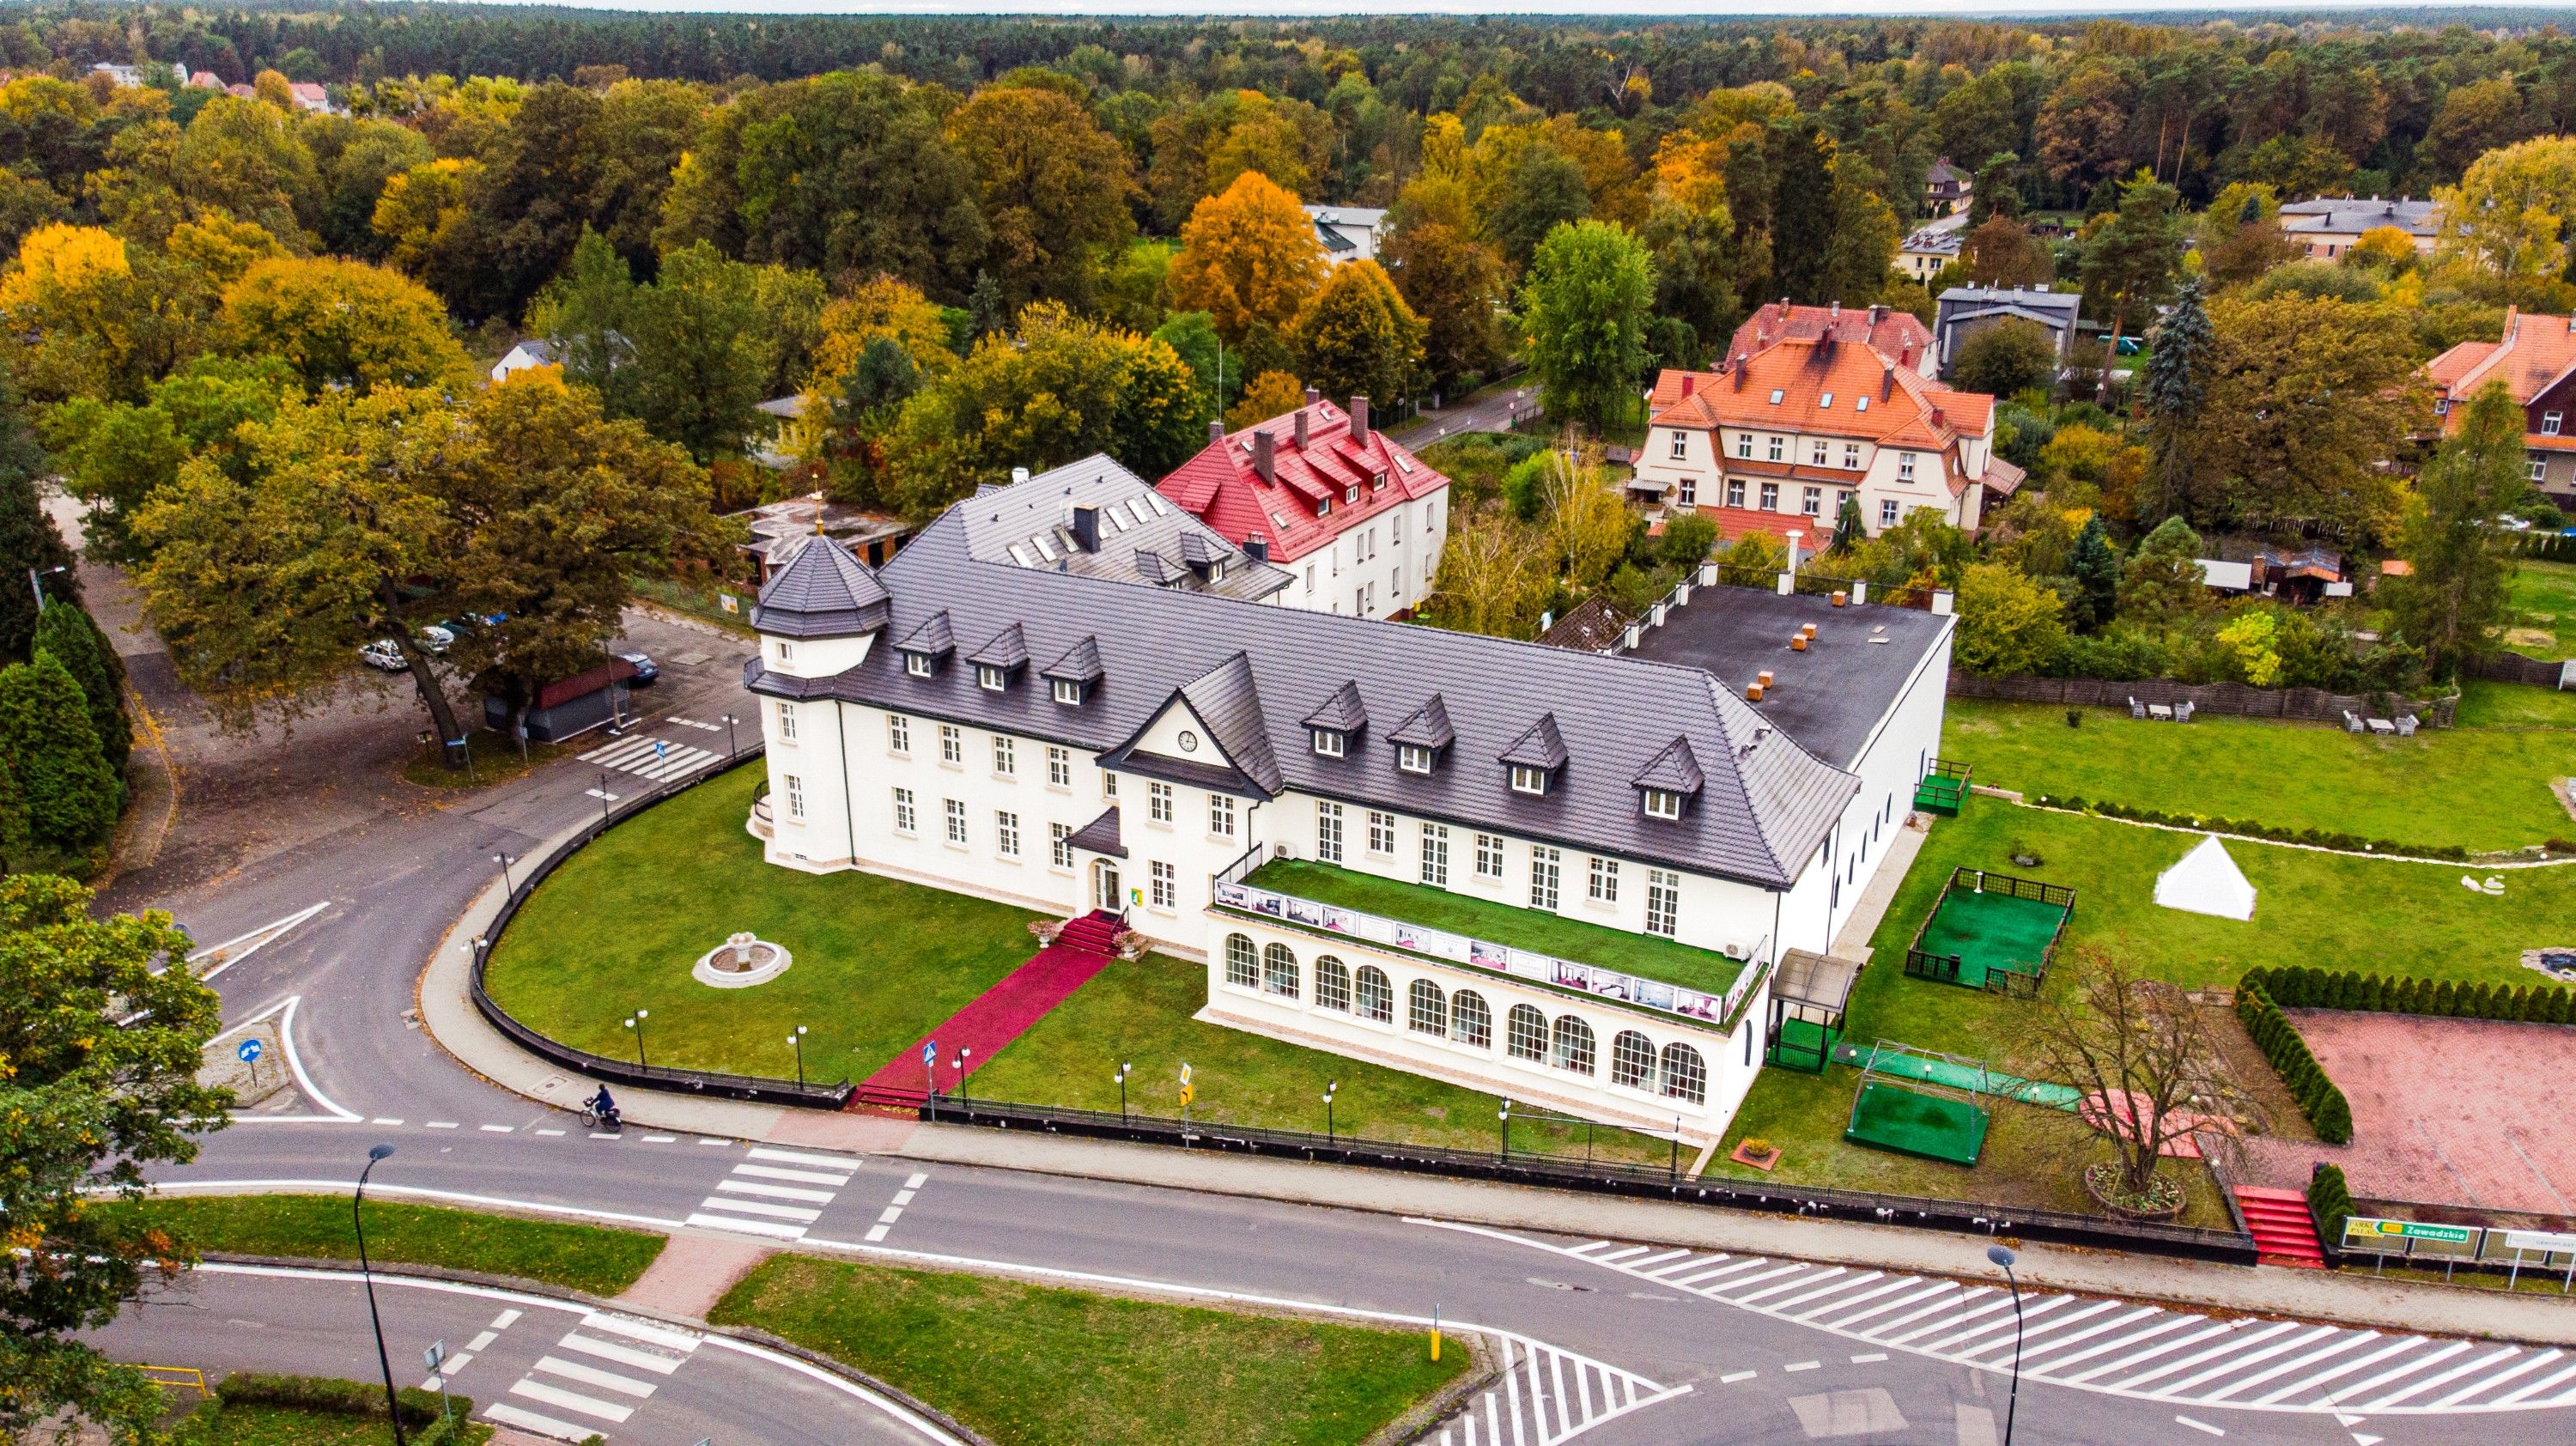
[(1294, 483)]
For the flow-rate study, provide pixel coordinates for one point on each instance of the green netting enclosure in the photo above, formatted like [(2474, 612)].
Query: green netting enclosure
[(1991, 931), (1906, 1107), (1943, 789), (1807, 1000)]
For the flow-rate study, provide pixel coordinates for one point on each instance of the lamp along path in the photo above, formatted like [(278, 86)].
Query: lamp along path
[(1004, 1012)]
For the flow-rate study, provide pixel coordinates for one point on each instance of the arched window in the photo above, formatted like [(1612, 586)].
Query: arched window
[(1242, 966), (1525, 1032), (1632, 1060), (1685, 1074), (1573, 1045), (1332, 983), (1279, 970), (1376, 995), (1471, 1020), (1426, 1008)]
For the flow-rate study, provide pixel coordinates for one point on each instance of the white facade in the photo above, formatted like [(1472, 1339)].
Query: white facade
[(1806, 473), (1377, 569), (967, 808)]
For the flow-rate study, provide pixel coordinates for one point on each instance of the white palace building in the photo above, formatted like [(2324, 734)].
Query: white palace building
[(1564, 877)]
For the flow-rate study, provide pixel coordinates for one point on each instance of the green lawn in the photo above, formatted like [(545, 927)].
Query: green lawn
[(592, 1258), (876, 962), (1540, 933), (219, 1424), (2476, 788), (2514, 705), (1140, 1013), (1034, 1365), (2543, 595)]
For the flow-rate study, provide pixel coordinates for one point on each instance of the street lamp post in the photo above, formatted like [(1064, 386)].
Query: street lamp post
[(964, 1051), (798, 1040), (1329, 1091), (2012, 1404), (366, 1272), (36, 579), (731, 747), (1123, 1068), (1506, 1118), (603, 798), (635, 1022), (504, 860)]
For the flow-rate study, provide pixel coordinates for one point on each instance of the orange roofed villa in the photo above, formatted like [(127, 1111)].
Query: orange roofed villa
[(2536, 362), (1777, 437)]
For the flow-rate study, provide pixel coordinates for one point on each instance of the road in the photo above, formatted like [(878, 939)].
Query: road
[(1494, 411), (1768, 1350)]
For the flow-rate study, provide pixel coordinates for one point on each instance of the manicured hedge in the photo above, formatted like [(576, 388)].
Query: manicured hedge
[(2351, 843), (2329, 1203), (2327, 1110), (329, 1395), (2305, 986)]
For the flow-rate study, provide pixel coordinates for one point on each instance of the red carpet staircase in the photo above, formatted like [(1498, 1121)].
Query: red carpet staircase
[(998, 1015), (2284, 1233)]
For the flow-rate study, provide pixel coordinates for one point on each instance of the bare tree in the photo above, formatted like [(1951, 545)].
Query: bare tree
[(2141, 1051)]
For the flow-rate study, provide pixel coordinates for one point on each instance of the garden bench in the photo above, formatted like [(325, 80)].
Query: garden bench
[(2351, 723), (2406, 726), (2137, 709)]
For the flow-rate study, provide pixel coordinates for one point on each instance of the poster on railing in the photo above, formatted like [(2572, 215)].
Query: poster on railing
[(1502, 959)]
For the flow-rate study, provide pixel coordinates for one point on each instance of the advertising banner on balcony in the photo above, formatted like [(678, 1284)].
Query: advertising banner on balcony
[(1500, 958)]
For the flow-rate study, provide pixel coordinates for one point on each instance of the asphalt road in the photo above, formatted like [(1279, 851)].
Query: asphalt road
[(1617, 1330)]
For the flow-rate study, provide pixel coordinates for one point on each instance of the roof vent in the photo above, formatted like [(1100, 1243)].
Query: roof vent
[(1797, 642), (1086, 528), (1762, 679), (1752, 692), (1019, 475)]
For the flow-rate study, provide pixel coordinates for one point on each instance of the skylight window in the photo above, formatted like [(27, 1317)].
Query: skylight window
[(1776, 394), (1824, 401), (1021, 556), (1860, 404), (1161, 507), (1045, 548)]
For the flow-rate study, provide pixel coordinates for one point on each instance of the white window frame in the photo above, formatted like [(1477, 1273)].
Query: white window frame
[(1006, 833), (1887, 512), (1778, 449), (1221, 814), (1603, 885), (786, 721), (1663, 901), (1381, 831), (1412, 758), (1547, 877), (898, 734), (952, 745), (1817, 449), (786, 653), (1060, 845), (2539, 467), (1328, 832), (1686, 492), (1664, 804), (906, 819), (1165, 883), (1529, 779), (1158, 802), (992, 677), (1904, 466), (956, 814), (1681, 445), (1489, 856), (1068, 692), (1006, 756), (1059, 767), (1812, 502), (2550, 422), (1330, 743), (1770, 496), (1435, 855), (1735, 492), (795, 795), (917, 664), (1851, 456), (1744, 445)]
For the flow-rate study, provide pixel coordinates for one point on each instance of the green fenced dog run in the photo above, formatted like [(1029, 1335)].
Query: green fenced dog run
[(1916, 1102), (1991, 931)]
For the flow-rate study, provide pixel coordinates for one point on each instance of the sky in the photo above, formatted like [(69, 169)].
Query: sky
[(1075, 9)]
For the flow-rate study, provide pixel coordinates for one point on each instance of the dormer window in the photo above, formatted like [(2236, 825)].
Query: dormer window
[(990, 678), (919, 665), (1412, 758), (1663, 804), (2550, 422), (1331, 742), (1529, 780), (1323, 505), (1351, 494), (1068, 692)]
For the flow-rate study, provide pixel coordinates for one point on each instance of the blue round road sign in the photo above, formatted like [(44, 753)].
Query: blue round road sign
[(249, 1051)]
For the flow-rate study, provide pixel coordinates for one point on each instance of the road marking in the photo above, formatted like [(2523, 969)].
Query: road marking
[(381, 1120), (496, 1129), (442, 1124), (797, 1213), (509, 1415), (651, 758), (746, 1227), (659, 1139), (550, 1132), (775, 1192), (712, 1140), (332, 1114), (265, 934), (593, 1376), (623, 1355), (894, 1210), (1865, 1357), (1794, 1366), (1731, 1377), (919, 1178), (603, 1134), (842, 1163), (636, 1330), (773, 1172), (2199, 1425), (608, 1411)]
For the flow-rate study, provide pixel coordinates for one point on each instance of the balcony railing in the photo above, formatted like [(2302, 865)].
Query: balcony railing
[(1716, 1011)]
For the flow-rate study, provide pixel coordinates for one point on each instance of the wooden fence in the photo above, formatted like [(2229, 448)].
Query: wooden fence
[(2505, 667), (2314, 705)]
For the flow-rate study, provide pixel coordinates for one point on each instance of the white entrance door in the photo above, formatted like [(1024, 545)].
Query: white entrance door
[(1105, 893)]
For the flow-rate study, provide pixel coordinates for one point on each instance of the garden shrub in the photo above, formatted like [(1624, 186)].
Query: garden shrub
[(2328, 1112), (332, 1396), (2329, 1203), (2316, 838), (2305, 986)]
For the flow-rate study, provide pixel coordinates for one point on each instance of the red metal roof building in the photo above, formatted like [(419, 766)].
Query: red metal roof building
[(1353, 515), (2536, 362)]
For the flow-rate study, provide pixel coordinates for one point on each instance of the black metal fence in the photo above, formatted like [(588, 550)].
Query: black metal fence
[(626, 1072)]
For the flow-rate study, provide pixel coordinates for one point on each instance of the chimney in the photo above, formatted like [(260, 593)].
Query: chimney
[(1216, 429), (1257, 547), (1690, 380), (1795, 535), (1797, 642), (1359, 421), (1834, 312), (1809, 629), (1086, 528), (1019, 475), (1860, 592), (1301, 419), (1841, 598), (1313, 396), (1944, 602), (1877, 312), (1265, 457)]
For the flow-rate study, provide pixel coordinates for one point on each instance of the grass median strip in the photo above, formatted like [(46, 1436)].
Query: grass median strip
[(1031, 1365), (591, 1258)]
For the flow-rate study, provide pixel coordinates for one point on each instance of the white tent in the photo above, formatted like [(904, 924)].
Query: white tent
[(2207, 881)]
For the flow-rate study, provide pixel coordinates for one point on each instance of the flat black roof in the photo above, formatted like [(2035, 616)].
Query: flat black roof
[(1829, 697)]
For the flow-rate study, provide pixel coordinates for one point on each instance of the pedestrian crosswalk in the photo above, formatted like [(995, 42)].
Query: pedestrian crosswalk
[(653, 758), (2122, 1348), (1542, 1395), (601, 1371), (774, 1193)]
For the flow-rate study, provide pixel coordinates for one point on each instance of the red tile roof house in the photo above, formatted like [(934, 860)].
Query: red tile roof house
[(1356, 518), (1775, 440), (1900, 336), (2536, 361)]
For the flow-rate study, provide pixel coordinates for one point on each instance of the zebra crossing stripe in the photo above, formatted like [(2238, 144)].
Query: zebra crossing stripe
[(2532, 1363), (2437, 1382), (2238, 1362), (2214, 1328), (2089, 1332), (2535, 1388)]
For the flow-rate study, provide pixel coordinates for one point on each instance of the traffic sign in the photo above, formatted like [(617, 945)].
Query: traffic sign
[(1187, 1094), (437, 1352), (2409, 1230), (249, 1051), (930, 1051), (1185, 1074)]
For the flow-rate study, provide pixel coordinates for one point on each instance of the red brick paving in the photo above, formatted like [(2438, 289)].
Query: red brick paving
[(2444, 1111)]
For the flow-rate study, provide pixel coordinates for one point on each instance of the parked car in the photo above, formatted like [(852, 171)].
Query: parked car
[(438, 637), (384, 654), (646, 672)]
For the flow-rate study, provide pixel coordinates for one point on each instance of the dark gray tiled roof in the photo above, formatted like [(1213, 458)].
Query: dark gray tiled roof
[(825, 593), (1100, 836), (1343, 712), (1428, 727), (1764, 810), (1143, 537), (1080, 663), (1228, 700), (1543, 746), (1008, 649), (1829, 697), (934, 636), (1675, 770)]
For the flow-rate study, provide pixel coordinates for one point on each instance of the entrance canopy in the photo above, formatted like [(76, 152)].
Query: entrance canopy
[(2207, 881)]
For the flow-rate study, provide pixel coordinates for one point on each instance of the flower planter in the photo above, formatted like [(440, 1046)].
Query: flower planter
[(2102, 1180), (1761, 1160)]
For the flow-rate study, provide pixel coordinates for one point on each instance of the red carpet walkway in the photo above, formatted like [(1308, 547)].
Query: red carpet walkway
[(1005, 1011)]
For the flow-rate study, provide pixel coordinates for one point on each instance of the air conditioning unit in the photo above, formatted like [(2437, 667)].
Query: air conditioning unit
[(1736, 951)]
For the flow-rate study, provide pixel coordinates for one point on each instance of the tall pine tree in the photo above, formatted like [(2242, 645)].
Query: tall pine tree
[(2177, 384), (67, 631), (2096, 566), (28, 541), (45, 736)]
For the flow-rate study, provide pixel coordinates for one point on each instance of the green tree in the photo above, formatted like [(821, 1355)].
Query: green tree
[(2129, 266), (85, 1109), (1356, 337), (2306, 399), (2008, 622), (46, 739), (2162, 579), (704, 352), (2505, 223), (2458, 591), (2175, 390), (342, 324), (28, 539), (1455, 284), (1053, 186), (1192, 336), (2006, 358), (116, 454), (1849, 530), (1544, 189), (67, 632), (2096, 568), (1583, 310)]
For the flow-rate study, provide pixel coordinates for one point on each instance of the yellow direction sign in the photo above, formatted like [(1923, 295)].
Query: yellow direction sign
[(1187, 1094)]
